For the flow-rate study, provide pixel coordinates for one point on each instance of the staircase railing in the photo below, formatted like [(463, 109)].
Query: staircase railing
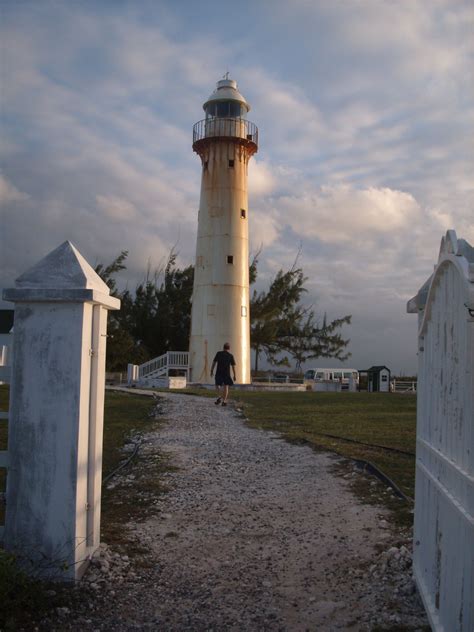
[(163, 363), (153, 365)]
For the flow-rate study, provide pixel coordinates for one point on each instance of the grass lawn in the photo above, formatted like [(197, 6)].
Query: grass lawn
[(124, 416), (381, 419), (126, 419)]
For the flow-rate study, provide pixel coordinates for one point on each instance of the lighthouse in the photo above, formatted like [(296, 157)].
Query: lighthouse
[(225, 140)]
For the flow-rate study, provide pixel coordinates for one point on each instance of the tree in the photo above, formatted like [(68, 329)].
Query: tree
[(106, 272), (274, 313), (307, 340), (157, 317), (153, 320), (121, 347), (173, 316), (280, 323)]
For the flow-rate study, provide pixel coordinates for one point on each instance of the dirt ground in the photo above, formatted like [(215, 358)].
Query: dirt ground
[(254, 534)]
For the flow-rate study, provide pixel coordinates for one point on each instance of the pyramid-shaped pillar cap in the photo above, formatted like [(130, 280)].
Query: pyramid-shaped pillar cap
[(61, 276)]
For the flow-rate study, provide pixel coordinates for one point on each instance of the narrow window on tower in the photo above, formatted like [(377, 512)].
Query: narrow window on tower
[(206, 164), (243, 213), (211, 310), (230, 259), (231, 164)]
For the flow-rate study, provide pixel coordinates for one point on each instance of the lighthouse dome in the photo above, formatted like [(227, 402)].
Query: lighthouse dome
[(226, 101)]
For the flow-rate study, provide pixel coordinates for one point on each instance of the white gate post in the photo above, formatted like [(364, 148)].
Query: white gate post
[(443, 555), (56, 414)]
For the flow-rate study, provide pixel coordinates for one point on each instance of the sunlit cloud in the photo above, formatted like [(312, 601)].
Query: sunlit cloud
[(365, 155)]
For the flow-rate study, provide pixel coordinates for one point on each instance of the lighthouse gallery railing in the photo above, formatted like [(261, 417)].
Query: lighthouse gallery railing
[(225, 127)]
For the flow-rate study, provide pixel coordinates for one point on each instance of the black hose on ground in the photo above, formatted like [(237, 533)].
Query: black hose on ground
[(367, 466), (122, 465), (369, 445)]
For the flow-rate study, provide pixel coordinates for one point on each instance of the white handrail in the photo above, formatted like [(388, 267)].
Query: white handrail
[(169, 360)]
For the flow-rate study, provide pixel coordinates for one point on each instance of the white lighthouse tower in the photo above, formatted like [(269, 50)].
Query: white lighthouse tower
[(225, 141)]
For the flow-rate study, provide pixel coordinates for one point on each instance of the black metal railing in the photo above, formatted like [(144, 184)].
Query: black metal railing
[(227, 128)]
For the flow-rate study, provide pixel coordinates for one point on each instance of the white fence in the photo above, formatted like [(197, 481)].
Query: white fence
[(403, 386), (160, 366), (444, 497)]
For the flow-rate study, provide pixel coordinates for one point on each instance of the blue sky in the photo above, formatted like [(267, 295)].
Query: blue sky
[(365, 113)]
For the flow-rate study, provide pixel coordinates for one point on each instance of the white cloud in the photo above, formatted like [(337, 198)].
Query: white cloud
[(263, 228), (261, 180), (336, 214), (9, 193), (293, 124), (116, 207)]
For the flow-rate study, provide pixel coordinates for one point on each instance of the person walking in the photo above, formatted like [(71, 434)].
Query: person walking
[(223, 360)]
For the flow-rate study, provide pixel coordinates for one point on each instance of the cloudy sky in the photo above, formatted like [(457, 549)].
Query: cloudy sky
[(366, 118)]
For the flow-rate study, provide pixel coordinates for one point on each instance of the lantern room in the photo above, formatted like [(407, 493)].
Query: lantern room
[(226, 101), (226, 119)]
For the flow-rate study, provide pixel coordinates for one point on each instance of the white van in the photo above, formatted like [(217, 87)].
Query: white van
[(344, 376)]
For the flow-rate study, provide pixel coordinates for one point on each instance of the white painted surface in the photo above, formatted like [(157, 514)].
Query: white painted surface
[(220, 309), (6, 342), (345, 375), (403, 386), (326, 386), (444, 499), (160, 366), (384, 384), (227, 90), (56, 413), (132, 373), (171, 382)]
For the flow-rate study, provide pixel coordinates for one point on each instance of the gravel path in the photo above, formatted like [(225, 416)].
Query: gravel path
[(255, 534)]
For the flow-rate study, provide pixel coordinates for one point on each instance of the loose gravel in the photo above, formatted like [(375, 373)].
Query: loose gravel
[(255, 534)]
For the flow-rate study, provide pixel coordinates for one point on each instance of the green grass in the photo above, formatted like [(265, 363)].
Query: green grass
[(384, 419), (377, 418), (127, 418), (20, 597)]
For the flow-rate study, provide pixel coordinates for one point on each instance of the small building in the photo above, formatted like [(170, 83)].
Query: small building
[(378, 379)]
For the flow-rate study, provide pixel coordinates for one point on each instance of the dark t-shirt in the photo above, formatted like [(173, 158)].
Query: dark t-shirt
[(224, 361)]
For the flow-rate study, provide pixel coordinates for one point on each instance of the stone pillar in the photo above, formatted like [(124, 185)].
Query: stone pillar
[(56, 413)]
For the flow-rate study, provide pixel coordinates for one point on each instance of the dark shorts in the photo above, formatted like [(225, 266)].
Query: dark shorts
[(223, 379)]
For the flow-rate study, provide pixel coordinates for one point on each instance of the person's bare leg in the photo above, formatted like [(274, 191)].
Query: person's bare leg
[(226, 393), (219, 397)]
